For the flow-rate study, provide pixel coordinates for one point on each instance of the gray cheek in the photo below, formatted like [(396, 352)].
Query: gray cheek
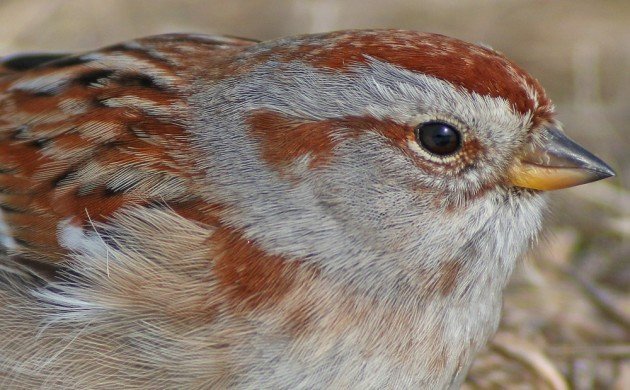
[(391, 232), (389, 212)]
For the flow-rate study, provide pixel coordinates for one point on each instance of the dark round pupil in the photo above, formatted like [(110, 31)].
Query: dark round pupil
[(438, 138)]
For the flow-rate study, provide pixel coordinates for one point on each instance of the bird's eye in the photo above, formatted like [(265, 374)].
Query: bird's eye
[(438, 138)]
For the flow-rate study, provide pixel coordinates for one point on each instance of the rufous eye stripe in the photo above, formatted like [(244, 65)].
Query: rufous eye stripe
[(283, 140)]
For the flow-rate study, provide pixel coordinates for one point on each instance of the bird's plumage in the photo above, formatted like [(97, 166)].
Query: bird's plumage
[(188, 211)]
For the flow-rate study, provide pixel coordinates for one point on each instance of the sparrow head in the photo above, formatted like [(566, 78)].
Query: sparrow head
[(399, 137)]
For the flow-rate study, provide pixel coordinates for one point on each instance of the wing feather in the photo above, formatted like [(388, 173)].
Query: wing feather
[(83, 135)]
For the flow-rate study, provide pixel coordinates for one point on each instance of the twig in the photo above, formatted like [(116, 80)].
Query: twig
[(528, 354), (612, 351), (603, 299)]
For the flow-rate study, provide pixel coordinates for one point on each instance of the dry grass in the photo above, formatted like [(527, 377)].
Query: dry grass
[(567, 310)]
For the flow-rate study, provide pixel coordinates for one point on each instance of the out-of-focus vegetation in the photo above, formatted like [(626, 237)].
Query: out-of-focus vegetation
[(567, 310)]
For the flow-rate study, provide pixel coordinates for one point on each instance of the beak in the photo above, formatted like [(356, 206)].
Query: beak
[(558, 163)]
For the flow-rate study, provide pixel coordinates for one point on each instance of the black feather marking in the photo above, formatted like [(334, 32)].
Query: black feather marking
[(59, 180), (109, 192), (68, 61), (19, 132), (23, 243), (137, 132), (99, 102), (137, 80), (44, 94), (112, 144), (10, 209), (22, 62), (8, 191), (93, 77), (40, 143), (6, 171), (120, 189), (117, 47)]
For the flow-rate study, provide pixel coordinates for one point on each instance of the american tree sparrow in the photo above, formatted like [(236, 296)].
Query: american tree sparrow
[(338, 210)]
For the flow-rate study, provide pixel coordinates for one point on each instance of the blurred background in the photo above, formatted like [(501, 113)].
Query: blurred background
[(567, 311)]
